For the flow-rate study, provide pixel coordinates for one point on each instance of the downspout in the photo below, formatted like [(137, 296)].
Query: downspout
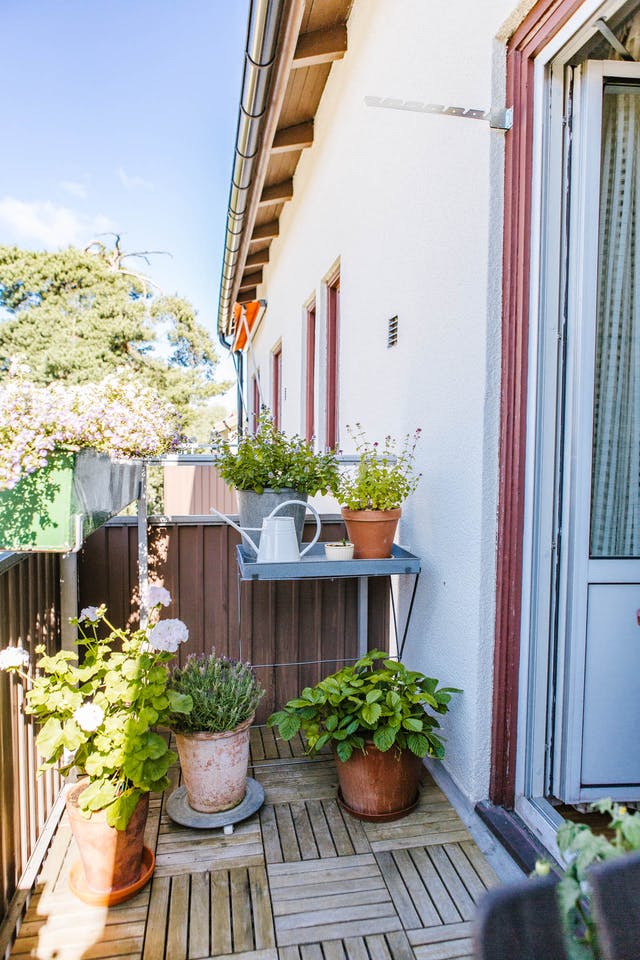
[(239, 405), (260, 53)]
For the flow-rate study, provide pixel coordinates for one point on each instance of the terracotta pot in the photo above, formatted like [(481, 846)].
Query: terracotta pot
[(379, 785), (112, 859), (371, 532), (214, 767)]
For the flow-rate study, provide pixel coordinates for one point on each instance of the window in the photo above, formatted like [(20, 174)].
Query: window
[(332, 333), (276, 386), (310, 373)]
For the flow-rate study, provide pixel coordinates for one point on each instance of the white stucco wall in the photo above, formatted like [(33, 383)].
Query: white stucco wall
[(411, 204)]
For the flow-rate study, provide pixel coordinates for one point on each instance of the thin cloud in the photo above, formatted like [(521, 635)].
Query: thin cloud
[(75, 188), (47, 224), (134, 182)]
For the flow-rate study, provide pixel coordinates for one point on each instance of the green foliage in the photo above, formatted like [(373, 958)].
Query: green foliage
[(384, 477), (224, 693), (374, 699), (97, 715), (270, 459), (581, 848), (77, 316)]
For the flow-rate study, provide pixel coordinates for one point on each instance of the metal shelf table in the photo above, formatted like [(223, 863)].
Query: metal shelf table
[(314, 565)]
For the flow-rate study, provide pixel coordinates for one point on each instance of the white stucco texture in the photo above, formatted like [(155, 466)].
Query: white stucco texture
[(404, 200)]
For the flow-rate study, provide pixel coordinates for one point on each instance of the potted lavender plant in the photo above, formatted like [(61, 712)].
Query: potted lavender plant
[(213, 738)]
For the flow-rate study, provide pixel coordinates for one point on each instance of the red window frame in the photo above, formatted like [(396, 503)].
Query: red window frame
[(276, 367), (255, 403), (333, 327), (310, 374)]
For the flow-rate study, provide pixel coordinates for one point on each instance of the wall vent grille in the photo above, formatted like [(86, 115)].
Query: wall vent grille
[(392, 332)]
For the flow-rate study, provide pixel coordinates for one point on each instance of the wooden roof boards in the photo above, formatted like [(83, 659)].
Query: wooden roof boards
[(309, 42)]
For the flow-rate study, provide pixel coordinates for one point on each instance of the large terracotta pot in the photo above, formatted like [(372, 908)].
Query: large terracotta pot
[(112, 859), (214, 767), (379, 785), (371, 532)]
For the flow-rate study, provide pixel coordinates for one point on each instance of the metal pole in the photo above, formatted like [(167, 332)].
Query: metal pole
[(143, 546), (68, 600), (363, 615)]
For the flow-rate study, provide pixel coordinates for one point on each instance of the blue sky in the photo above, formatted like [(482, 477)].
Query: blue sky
[(121, 116)]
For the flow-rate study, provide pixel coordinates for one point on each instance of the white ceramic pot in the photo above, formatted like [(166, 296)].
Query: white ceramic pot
[(338, 551), (214, 767)]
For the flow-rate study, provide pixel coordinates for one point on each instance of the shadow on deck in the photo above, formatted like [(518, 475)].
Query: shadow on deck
[(300, 880)]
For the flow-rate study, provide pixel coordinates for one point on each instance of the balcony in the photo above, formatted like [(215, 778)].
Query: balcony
[(300, 880)]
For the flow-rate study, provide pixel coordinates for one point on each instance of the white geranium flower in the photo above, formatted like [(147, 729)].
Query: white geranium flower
[(12, 658), (154, 595), (89, 717), (168, 635), (90, 613)]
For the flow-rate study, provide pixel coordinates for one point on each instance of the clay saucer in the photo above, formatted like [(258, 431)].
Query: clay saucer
[(78, 883)]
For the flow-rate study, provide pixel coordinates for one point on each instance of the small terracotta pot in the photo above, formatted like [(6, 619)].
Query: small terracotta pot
[(214, 767), (379, 785), (112, 859), (371, 532)]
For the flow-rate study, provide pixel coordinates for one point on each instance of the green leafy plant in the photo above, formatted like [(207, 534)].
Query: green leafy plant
[(385, 475), (224, 694), (581, 848), (269, 459), (98, 714), (374, 699)]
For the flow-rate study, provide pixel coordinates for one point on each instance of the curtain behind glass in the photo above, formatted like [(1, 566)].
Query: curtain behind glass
[(615, 494)]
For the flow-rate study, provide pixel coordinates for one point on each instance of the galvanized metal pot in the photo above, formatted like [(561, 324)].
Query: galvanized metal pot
[(254, 507), (214, 767)]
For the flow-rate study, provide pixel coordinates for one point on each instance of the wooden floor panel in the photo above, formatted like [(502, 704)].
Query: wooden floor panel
[(301, 880)]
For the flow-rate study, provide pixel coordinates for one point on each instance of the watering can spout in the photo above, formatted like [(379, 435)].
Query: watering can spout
[(243, 532)]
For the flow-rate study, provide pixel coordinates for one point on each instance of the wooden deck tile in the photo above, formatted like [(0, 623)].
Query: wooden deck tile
[(384, 946), (306, 780), (434, 821), (310, 830), (451, 942), (315, 900), (182, 850)]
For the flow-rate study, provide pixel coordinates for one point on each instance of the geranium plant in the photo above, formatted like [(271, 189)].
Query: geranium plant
[(385, 475), (269, 459), (98, 713), (375, 699), (119, 416)]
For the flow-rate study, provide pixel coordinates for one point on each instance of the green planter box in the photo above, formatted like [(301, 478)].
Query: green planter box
[(57, 507)]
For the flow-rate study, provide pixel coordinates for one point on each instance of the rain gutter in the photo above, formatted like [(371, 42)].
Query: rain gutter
[(268, 57)]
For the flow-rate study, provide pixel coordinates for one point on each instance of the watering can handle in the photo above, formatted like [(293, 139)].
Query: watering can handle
[(307, 506), (235, 526)]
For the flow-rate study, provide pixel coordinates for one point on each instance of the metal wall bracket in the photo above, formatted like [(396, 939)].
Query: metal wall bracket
[(501, 119)]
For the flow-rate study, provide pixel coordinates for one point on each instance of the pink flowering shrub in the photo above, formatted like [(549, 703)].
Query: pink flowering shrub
[(119, 416)]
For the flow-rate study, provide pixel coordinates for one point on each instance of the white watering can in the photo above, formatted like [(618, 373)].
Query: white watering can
[(278, 538)]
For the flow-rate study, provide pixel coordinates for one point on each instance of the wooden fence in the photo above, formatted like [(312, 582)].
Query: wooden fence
[(284, 628), (29, 615)]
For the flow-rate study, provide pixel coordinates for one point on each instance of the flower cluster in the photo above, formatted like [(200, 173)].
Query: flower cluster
[(99, 715), (119, 416), (385, 475)]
